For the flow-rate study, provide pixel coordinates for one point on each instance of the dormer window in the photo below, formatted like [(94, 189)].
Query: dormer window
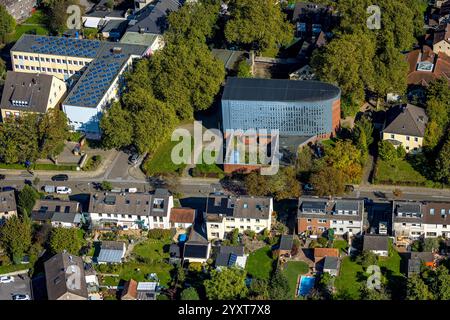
[(245, 205), (158, 203), (432, 211)]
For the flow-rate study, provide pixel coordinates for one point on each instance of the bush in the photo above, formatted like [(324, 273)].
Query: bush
[(195, 267), (106, 186), (92, 163), (250, 233), (159, 234)]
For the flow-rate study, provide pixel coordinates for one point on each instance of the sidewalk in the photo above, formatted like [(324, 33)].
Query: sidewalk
[(405, 189)]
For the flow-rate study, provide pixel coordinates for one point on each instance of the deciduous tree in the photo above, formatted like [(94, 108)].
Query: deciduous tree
[(15, 236), (226, 284)]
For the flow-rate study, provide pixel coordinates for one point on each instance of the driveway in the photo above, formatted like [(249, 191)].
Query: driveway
[(21, 284)]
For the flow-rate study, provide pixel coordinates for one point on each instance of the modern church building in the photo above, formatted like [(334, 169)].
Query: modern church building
[(295, 108)]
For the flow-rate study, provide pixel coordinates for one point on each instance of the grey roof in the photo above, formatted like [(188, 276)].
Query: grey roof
[(254, 89), (108, 59), (286, 242), (116, 26), (238, 207), (141, 204), (56, 211), (376, 243), (407, 120), (417, 259), (102, 11), (330, 263), (407, 207), (322, 208), (58, 269), (347, 205), (230, 58), (7, 201), (33, 89), (153, 18), (66, 217), (313, 205)]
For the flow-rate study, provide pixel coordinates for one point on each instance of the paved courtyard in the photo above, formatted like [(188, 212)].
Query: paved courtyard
[(21, 285)]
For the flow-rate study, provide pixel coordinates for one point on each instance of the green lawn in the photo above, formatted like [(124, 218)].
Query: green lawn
[(36, 24), (160, 162), (150, 258), (206, 169), (347, 282), (400, 172), (292, 270), (13, 268), (260, 263)]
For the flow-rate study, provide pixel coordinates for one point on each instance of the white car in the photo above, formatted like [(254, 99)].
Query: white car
[(21, 297), (63, 190), (6, 279)]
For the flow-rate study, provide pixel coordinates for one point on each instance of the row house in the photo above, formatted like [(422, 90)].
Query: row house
[(225, 213), (316, 216), (59, 213), (413, 220), (131, 210)]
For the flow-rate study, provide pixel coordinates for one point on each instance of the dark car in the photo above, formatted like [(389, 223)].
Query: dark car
[(60, 177), (2, 177), (133, 158), (8, 188)]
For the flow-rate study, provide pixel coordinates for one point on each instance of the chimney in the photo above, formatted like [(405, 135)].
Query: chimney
[(117, 50)]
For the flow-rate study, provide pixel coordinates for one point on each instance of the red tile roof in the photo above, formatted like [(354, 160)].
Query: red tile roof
[(130, 290), (423, 78), (326, 252), (182, 215)]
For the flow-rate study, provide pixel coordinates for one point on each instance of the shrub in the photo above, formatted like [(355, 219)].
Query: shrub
[(159, 234)]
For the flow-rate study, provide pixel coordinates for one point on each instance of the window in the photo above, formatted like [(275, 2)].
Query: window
[(155, 219), (442, 212), (257, 220), (432, 211), (100, 215), (308, 220), (242, 227), (416, 139), (392, 136), (248, 220), (130, 216), (407, 138), (241, 220), (161, 219)]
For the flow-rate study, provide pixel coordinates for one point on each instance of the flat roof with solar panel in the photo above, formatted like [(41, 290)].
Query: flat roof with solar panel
[(108, 60)]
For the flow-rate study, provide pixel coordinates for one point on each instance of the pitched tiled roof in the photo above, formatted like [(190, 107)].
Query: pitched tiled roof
[(423, 78), (129, 290), (326, 252), (182, 215), (406, 120), (376, 242), (7, 201)]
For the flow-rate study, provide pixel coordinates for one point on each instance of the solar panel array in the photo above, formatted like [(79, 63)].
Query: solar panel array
[(96, 80), (66, 47)]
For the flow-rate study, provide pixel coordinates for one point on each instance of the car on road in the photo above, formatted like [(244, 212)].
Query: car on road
[(133, 158), (6, 279), (49, 189), (2, 177), (63, 190), (21, 297), (60, 177), (8, 188)]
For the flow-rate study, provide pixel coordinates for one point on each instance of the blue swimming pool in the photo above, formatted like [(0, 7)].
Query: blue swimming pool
[(305, 286)]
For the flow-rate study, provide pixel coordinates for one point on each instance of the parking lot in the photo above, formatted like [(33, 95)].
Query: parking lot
[(20, 285)]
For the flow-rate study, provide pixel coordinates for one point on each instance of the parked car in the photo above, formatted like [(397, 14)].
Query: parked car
[(60, 177), (131, 190), (8, 188), (63, 190), (49, 189), (21, 297), (6, 279), (133, 158), (2, 177)]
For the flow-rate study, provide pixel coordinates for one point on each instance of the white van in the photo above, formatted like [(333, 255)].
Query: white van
[(131, 190), (63, 190)]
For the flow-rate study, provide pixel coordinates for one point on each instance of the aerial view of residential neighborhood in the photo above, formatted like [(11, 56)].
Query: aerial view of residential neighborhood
[(240, 150)]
